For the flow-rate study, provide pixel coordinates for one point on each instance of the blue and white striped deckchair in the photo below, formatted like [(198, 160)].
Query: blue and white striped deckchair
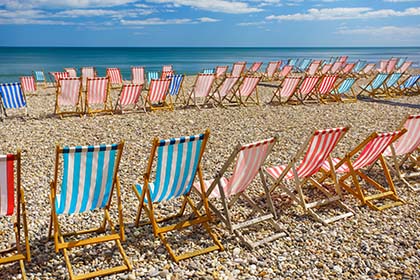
[(89, 178), (400, 62), (359, 66), (410, 85), (12, 97), (178, 164), (304, 64), (175, 86), (208, 71), (375, 84), (344, 91), (390, 83), (40, 77), (152, 76), (292, 62)]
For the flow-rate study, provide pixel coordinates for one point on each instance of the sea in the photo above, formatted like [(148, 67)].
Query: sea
[(21, 61)]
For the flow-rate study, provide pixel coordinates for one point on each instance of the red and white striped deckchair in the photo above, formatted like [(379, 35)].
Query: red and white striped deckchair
[(137, 75), (87, 72), (347, 69), (130, 95), (367, 70), (97, 96), (286, 89), (365, 155), (69, 94), (343, 59), (382, 66), (405, 153), (307, 87), (285, 71), (254, 68), (221, 71), (296, 175), (238, 69), (56, 76), (223, 89), (405, 67), (72, 72), (167, 70), (234, 189), (28, 84), (13, 212), (390, 67), (270, 71), (313, 67), (115, 77), (336, 67), (157, 95), (243, 95), (326, 68), (323, 92), (201, 89)]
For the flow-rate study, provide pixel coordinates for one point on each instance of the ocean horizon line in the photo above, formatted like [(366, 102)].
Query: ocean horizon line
[(222, 47)]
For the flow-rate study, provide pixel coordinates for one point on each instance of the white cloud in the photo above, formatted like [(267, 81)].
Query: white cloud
[(207, 19), (406, 31), (221, 6), (156, 21), (401, 1), (25, 4), (346, 13)]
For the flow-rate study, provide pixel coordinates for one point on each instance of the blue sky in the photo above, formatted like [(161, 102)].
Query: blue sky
[(255, 23)]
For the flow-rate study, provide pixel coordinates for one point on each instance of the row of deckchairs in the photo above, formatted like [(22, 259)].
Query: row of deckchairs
[(86, 179)]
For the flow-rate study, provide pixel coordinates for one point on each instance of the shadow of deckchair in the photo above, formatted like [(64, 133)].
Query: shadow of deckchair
[(388, 102)]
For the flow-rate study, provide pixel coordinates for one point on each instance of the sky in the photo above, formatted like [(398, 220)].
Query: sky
[(213, 23)]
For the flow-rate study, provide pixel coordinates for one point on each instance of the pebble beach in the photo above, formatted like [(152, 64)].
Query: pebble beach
[(369, 245)]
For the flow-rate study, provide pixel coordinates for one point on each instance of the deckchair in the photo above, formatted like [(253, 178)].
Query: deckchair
[(208, 71), (284, 93), (56, 76), (404, 67), (157, 95), (137, 75), (28, 84), (404, 153), (291, 178), (354, 164), (387, 88), (177, 166), (238, 68), (346, 70), (97, 95), (254, 68), (115, 77), (87, 72), (167, 70), (344, 92), (130, 96), (175, 88), (40, 78), (313, 67), (374, 85), (325, 68), (336, 67), (199, 94), (292, 62), (223, 89), (72, 72), (221, 71), (400, 62), (343, 59), (285, 71), (89, 179), (410, 85), (153, 75), (12, 97), (360, 64), (324, 89), (304, 64), (306, 87), (235, 189), (367, 70), (382, 66), (13, 211), (243, 94), (390, 67), (69, 94), (271, 70)]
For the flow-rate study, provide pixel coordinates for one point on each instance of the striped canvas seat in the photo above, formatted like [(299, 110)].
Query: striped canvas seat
[(39, 76), (292, 62), (114, 75), (304, 64), (285, 71), (86, 179), (382, 66), (176, 84), (224, 89), (368, 69), (208, 71), (72, 72), (167, 70), (152, 76), (390, 67), (326, 68), (343, 58), (249, 161), (220, 71), (307, 86), (404, 67), (359, 66), (336, 67), (400, 62), (12, 97), (156, 96), (28, 84), (271, 69), (201, 89), (238, 68), (13, 212), (391, 84), (286, 89), (244, 94), (69, 93), (344, 91), (301, 173), (372, 88), (97, 93), (130, 95), (347, 69), (137, 75), (410, 85), (325, 87), (56, 76), (87, 72), (363, 156), (176, 169), (255, 67), (313, 67)]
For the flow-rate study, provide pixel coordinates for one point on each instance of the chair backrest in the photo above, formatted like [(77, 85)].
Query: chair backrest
[(404, 67), (248, 85), (203, 84), (238, 68), (313, 67), (167, 68), (69, 91), (292, 62), (177, 164), (288, 86), (227, 86), (97, 90), (347, 69), (12, 95), (346, 85), (285, 71), (326, 68), (153, 75), (336, 67), (368, 68), (271, 68), (304, 64), (130, 94), (208, 71), (359, 66), (221, 71), (88, 177), (320, 146), (114, 75), (327, 84), (255, 67), (28, 84), (176, 83), (390, 67), (72, 72), (400, 62), (343, 58), (382, 65), (158, 89), (378, 80), (409, 141), (87, 72), (137, 75), (59, 75), (308, 84), (393, 79), (39, 76), (7, 183), (411, 81)]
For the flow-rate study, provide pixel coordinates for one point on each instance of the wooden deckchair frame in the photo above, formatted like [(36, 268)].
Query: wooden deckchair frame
[(276, 93), (215, 95), (112, 85), (181, 92), (237, 99), (164, 105), (119, 108), (78, 109), (44, 83), (107, 102), (192, 97), (199, 218), (31, 93), (347, 97), (373, 91), (56, 233), (299, 183), (3, 110), (398, 90), (20, 221)]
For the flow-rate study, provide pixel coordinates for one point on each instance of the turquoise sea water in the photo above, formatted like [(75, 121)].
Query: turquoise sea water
[(20, 61)]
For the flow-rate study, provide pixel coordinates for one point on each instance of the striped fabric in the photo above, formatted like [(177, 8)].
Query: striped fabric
[(410, 140), (347, 68), (410, 82), (137, 75), (152, 76), (313, 68), (271, 68), (405, 66), (97, 90), (203, 84), (343, 59), (304, 64), (370, 154), (393, 79), (158, 89), (346, 85), (255, 67), (221, 71), (320, 147), (28, 84), (326, 68), (176, 167), (238, 68), (88, 176), (87, 72), (39, 76), (249, 161), (12, 96), (69, 90), (390, 67), (368, 68), (227, 86), (7, 183), (176, 82), (292, 62), (382, 66), (336, 67), (167, 68), (308, 85), (166, 74), (359, 66), (248, 86), (114, 75), (285, 71), (327, 84), (208, 71), (377, 81), (72, 72), (400, 62), (130, 94), (59, 75), (288, 86)]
